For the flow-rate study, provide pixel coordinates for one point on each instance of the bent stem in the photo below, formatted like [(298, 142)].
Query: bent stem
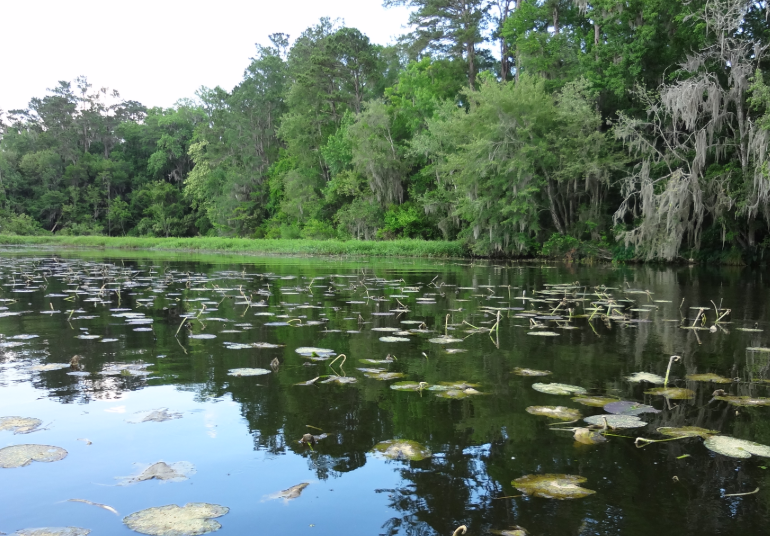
[(641, 442), (668, 370)]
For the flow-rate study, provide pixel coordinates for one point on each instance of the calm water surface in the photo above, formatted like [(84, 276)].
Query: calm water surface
[(242, 433)]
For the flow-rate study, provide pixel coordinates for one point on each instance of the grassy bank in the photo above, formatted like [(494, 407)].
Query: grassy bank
[(389, 248)]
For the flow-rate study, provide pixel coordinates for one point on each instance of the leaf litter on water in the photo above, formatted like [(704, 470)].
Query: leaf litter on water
[(290, 493)]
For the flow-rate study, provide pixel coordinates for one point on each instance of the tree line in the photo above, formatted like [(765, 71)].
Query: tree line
[(634, 129)]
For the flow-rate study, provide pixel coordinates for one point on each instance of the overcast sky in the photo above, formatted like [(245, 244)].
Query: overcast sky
[(157, 51)]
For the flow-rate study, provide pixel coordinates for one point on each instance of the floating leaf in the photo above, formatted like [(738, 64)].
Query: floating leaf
[(53, 531), (550, 486), (173, 520), (616, 421), (174, 472), (736, 448), (409, 386), (530, 372), (715, 378), (646, 377), (19, 425), (50, 366), (444, 340), (290, 493), (555, 412), (340, 379), (309, 351), (394, 339), (384, 376), (686, 431), (23, 455), (248, 372), (744, 401), (558, 389), (587, 436), (155, 415), (446, 386), (543, 333), (624, 407), (673, 393), (758, 349), (402, 449), (595, 401)]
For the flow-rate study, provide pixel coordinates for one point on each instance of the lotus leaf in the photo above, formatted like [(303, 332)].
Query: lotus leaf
[(624, 407), (736, 448), (673, 393), (530, 372), (595, 401), (686, 431), (23, 455), (715, 378), (555, 412), (19, 425), (646, 377), (248, 372), (558, 389), (173, 520), (550, 486), (616, 421), (745, 401), (402, 449), (53, 531)]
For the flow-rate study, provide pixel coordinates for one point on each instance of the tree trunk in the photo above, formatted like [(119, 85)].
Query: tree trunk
[(556, 20), (471, 66)]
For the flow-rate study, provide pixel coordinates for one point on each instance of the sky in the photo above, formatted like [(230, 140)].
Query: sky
[(157, 51)]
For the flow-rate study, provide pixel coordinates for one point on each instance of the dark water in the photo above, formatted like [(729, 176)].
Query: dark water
[(241, 433)]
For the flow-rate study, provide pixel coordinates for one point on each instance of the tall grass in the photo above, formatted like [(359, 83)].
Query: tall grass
[(390, 248)]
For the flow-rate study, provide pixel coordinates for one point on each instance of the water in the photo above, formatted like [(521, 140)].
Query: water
[(242, 433)]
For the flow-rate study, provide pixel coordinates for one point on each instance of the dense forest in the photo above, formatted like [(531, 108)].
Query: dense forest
[(634, 129)]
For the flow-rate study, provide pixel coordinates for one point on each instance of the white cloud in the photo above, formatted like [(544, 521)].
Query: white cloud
[(157, 51)]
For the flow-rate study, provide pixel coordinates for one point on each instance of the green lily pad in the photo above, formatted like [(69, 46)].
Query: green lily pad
[(736, 448), (543, 333), (19, 425), (646, 377), (595, 401), (384, 376), (616, 421), (402, 449), (672, 393), (558, 389), (714, 378), (444, 340), (687, 431), (626, 407), (550, 486), (248, 372), (447, 386), (339, 380), (555, 412), (23, 455), (394, 339), (173, 520), (308, 351), (530, 372), (745, 401), (458, 393), (408, 386)]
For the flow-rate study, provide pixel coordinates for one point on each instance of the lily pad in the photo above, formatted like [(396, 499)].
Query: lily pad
[(543, 333), (394, 339), (715, 378), (290, 493), (558, 389), (384, 376), (745, 401), (53, 531), (19, 425), (340, 379), (173, 520), (458, 393), (687, 431), (595, 401), (555, 412), (646, 377), (154, 415), (23, 455), (530, 372), (616, 421), (625, 407), (736, 448), (408, 386), (309, 351), (50, 366), (587, 436), (444, 340), (673, 393), (550, 486), (402, 449), (248, 372), (174, 472)]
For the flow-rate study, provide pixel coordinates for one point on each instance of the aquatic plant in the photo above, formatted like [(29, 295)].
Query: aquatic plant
[(552, 486), (173, 520), (402, 449)]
